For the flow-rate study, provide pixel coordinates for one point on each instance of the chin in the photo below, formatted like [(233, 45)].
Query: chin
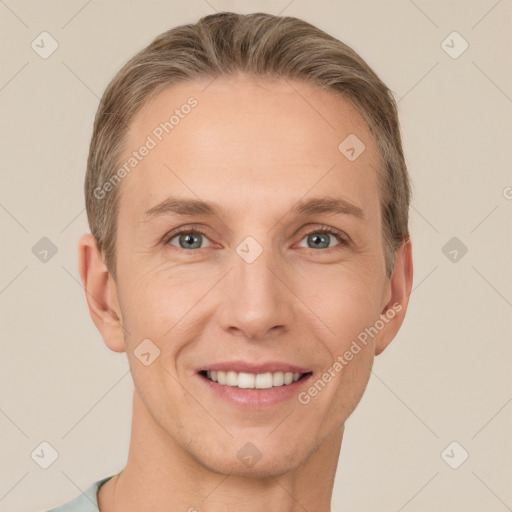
[(249, 461), (261, 469)]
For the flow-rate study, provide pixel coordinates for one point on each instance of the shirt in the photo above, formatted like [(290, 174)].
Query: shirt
[(85, 502)]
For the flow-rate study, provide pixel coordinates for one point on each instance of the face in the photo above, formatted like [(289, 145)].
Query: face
[(249, 247)]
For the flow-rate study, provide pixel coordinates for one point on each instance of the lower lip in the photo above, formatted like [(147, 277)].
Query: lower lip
[(255, 398)]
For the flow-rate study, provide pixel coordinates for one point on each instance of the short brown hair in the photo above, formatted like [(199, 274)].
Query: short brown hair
[(259, 45)]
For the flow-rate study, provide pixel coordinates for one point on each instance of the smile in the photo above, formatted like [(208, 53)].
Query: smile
[(252, 381)]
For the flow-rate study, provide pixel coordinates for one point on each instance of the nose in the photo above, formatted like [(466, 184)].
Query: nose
[(259, 303)]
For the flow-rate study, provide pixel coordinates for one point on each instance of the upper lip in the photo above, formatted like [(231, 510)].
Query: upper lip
[(252, 367)]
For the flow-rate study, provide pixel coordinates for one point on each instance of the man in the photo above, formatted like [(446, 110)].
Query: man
[(248, 201)]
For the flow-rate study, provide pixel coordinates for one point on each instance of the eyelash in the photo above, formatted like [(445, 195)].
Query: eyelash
[(331, 231), (322, 229)]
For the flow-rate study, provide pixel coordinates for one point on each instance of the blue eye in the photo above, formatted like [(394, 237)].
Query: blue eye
[(320, 238), (188, 239)]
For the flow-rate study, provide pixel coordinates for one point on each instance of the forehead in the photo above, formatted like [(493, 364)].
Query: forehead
[(250, 144)]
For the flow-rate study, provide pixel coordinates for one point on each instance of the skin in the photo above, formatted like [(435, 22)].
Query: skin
[(255, 148)]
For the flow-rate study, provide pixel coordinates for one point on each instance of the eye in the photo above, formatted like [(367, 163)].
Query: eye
[(187, 239), (320, 238), (317, 238)]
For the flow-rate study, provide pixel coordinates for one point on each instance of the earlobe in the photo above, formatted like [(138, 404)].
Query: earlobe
[(400, 285), (100, 293)]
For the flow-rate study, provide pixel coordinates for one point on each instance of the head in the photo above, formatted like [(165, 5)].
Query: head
[(248, 200)]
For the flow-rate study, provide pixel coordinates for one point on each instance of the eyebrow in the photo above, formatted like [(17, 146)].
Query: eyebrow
[(313, 206)]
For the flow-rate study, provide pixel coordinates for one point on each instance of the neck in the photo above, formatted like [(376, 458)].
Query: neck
[(161, 476)]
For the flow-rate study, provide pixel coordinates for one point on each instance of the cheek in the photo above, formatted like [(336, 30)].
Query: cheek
[(345, 300), (351, 305), (347, 303), (346, 369), (350, 383), (158, 297), (162, 305), (158, 307)]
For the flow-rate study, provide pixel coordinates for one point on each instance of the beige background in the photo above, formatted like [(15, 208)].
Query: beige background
[(446, 377)]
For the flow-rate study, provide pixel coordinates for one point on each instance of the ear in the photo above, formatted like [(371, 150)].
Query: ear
[(397, 297), (100, 293)]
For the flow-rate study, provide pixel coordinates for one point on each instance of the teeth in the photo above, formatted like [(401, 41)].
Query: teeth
[(263, 381), (253, 381), (278, 379), (231, 379), (245, 380), (221, 378)]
